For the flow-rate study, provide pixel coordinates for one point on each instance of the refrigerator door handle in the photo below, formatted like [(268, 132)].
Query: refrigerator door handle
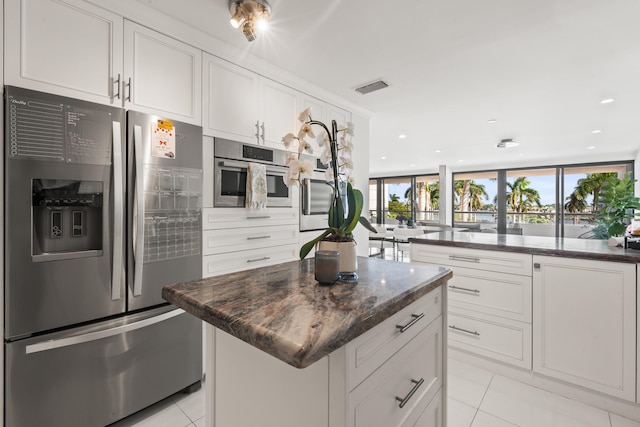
[(98, 335), (138, 212), (118, 212)]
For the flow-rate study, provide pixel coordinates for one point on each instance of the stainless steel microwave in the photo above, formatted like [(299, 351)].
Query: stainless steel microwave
[(231, 160)]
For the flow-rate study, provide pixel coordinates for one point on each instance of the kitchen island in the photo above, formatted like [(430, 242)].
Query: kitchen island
[(286, 351)]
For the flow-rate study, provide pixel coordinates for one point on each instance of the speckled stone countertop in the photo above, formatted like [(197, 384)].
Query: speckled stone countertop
[(282, 310), (536, 245)]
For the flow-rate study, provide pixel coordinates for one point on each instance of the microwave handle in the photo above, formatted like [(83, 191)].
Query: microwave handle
[(306, 197), (243, 165)]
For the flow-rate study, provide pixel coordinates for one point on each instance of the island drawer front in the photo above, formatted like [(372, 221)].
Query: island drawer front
[(498, 294), (240, 239), (373, 348), (505, 340), (497, 261), (414, 375), (231, 262), (223, 218)]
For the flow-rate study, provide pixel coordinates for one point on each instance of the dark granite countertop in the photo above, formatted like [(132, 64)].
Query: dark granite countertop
[(536, 245), (283, 311)]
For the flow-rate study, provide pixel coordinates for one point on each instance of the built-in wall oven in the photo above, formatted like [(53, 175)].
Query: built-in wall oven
[(231, 160), (316, 195)]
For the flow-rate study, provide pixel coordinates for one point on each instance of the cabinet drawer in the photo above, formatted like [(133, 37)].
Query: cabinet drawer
[(231, 262), (498, 294), (372, 349), (239, 239), (500, 262), (413, 375), (500, 339), (222, 218)]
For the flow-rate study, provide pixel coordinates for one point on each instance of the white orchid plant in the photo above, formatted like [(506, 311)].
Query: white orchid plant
[(336, 154)]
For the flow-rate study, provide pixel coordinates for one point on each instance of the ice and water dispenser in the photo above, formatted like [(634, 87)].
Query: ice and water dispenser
[(66, 217)]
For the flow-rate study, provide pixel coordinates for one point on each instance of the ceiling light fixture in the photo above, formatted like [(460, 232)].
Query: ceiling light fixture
[(492, 120), (596, 131), (402, 136), (607, 101), (507, 143), (250, 15)]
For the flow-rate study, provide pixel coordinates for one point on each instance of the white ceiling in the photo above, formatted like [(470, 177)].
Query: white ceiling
[(538, 67)]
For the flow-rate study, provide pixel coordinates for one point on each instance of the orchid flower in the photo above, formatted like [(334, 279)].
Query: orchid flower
[(303, 145), (305, 130), (291, 179), (305, 115), (288, 139)]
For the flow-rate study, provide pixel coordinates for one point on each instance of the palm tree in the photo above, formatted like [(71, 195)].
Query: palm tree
[(520, 197), (590, 184), (470, 194)]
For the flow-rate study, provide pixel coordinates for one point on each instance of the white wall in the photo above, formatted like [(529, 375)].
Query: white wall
[(361, 175)]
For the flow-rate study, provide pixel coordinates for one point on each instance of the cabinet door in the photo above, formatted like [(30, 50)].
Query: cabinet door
[(341, 116), (584, 320), (163, 75), (67, 48), (278, 112), (230, 101)]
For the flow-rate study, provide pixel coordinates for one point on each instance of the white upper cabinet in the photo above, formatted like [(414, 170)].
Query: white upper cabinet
[(75, 49), (161, 74), (241, 105), (342, 117), (230, 100), (279, 105), (69, 48)]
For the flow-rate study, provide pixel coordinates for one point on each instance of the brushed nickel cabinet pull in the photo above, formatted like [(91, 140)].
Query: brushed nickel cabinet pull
[(464, 258), (416, 318), (404, 400), (259, 259), (454, 327), (262, 127), (116, 83), (259, 217), (458, 288), (258, 237), (128, 85), (258, 131)]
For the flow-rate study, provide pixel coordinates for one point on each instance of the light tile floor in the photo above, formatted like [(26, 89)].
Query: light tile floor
[(477, 398)]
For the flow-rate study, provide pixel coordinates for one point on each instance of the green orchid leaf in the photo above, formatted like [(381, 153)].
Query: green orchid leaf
[(355, 200), (306, 248), (365, 222)]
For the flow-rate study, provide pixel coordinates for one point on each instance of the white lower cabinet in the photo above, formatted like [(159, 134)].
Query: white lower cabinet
[(236, 239), (401, 388), (584, 323), (571, 320), (489, 301)]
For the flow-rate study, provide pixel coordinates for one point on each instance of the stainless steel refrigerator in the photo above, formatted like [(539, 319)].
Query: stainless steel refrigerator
[(102, 208)]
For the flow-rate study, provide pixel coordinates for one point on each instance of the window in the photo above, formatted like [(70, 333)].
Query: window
[(531, 202), (475, 198), (427, 198)]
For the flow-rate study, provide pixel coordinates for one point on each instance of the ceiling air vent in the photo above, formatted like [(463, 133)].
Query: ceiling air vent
[(371, 87)]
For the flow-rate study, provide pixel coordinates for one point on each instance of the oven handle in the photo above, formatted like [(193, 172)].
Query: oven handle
[(243, 165), (306, 197)]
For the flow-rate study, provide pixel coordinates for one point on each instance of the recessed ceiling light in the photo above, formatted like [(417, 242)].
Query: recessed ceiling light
[(507, 143), (402, 136), (591, 148), (596, 131), (522, 154), (412, 165), (384, 157), (437, 151), (460, 161), (492, 120), (607, 101)]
